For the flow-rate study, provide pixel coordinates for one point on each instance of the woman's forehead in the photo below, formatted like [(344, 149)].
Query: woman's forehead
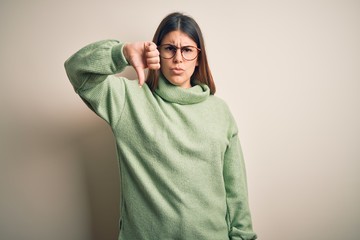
[(178, 38)]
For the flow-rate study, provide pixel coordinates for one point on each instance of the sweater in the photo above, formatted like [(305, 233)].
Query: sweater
[(181, 165)]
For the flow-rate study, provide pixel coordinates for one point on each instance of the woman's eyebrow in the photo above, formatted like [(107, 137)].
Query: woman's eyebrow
[(181, 45)]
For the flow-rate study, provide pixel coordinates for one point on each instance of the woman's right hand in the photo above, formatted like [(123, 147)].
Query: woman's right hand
[(142, 55)]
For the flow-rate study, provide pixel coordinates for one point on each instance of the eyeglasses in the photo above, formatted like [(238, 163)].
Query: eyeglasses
[(168, 51)]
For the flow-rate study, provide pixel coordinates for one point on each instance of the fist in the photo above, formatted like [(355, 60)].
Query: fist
[(142, 55)]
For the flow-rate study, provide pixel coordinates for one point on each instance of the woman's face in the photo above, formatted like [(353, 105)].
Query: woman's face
[(178, 70)]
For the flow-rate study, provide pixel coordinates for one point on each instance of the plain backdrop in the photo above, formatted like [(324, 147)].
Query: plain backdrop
[(289, 71)]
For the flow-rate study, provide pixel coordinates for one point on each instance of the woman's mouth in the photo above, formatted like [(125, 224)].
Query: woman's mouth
[(177, 70)]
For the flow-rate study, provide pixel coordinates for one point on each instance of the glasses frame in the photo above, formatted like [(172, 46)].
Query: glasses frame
[(181, 51)]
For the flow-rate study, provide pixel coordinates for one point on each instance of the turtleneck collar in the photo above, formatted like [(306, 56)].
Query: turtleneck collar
[(184, 96)]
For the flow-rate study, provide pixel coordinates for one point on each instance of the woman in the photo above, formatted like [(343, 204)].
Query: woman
[(181, 165)]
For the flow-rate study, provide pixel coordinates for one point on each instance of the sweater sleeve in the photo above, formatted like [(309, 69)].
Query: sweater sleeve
[(238, 212), (91, 72)]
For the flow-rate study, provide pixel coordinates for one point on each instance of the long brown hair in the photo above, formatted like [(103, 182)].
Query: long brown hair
[(178, 21)]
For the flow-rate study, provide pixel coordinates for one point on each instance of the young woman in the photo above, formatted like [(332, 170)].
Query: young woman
[(181, 166)]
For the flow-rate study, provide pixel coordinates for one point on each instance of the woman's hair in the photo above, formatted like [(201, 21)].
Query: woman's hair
[(178, 21)]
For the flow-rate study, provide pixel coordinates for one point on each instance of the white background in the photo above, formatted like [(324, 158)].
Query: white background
[(289, 70)]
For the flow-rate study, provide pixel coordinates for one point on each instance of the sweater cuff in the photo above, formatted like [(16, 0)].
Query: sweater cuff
[(118, 57), (237, 234)]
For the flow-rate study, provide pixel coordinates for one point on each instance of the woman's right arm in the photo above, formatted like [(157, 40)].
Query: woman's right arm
[(91, 71), (94, 62)]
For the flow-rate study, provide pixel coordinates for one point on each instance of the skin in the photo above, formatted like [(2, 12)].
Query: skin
[(143, 55)]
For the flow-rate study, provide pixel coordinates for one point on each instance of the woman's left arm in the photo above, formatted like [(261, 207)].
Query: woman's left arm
[(238, 212)]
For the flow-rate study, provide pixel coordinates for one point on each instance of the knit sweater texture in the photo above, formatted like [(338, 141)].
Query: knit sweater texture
[(181, 165)]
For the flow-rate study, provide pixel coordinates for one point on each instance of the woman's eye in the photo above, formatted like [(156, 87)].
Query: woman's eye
[(188, 49), (170, 48)]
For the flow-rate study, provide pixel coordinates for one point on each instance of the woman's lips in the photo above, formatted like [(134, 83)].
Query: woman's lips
[(177, 70)]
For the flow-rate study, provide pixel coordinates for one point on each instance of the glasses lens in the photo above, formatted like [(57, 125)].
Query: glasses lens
[(189, 53), (167, 51)]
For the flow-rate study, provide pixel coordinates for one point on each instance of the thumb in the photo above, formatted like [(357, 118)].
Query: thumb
[(141, 75)]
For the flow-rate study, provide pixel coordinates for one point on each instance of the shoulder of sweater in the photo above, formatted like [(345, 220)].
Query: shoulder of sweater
[(221, 107), (219, 103)]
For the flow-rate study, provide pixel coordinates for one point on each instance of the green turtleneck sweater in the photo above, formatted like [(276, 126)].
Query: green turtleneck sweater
[(181, 166)]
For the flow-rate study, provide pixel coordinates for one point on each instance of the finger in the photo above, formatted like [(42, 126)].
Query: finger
[(150, 46), (153, 53), (152, 56), (153, 63), (154, 66), (152, 60), (141, 75)]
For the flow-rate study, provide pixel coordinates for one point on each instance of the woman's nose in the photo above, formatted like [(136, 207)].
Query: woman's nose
[(178, 56)]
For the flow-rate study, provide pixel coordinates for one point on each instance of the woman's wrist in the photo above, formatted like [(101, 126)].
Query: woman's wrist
[(125, 52)]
